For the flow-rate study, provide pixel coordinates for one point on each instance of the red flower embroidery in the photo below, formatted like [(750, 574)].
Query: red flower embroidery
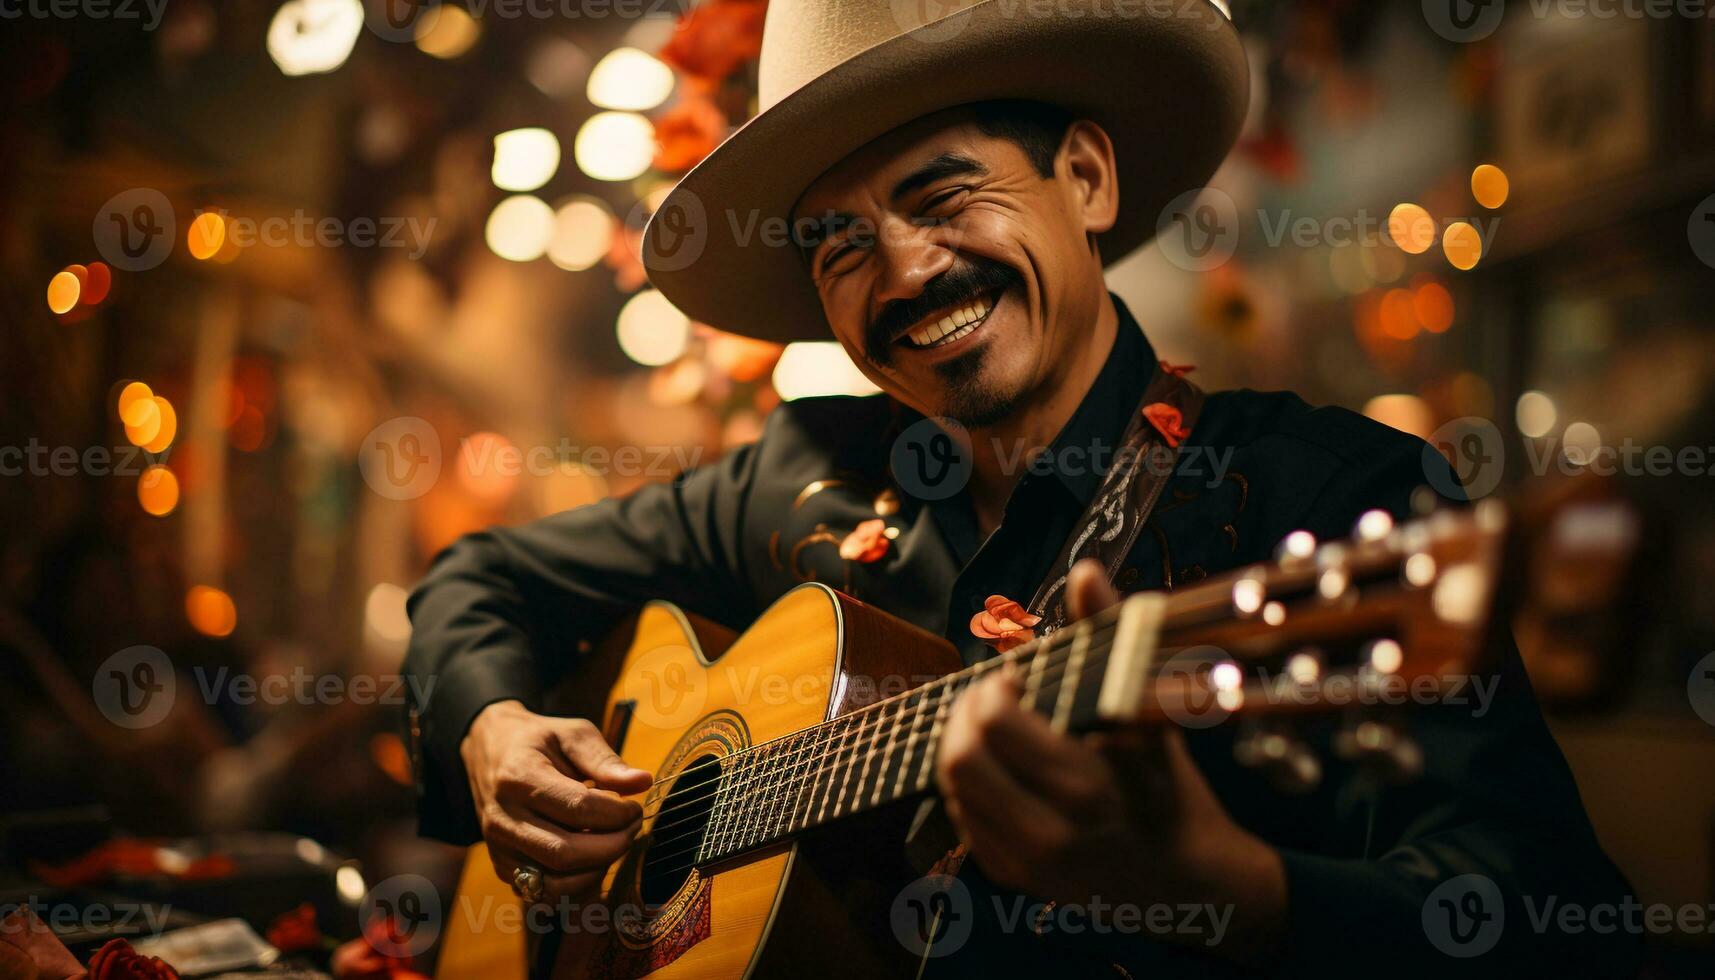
[(1003, 623), (1178, 370), (867, 542), (296, 930), (1167, 421), (118, 961)]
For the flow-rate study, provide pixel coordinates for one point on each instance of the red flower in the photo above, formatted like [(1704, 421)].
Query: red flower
[(118, 961), (1178, 370), (1167, 421), (1003, 623), (687, 132), (296, 930), (716, 37), (867, 542)]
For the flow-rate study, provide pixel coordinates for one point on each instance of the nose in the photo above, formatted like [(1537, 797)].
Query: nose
[(910, 257)]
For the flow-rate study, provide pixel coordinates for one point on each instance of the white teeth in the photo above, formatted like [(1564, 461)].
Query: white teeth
[(950, 327)]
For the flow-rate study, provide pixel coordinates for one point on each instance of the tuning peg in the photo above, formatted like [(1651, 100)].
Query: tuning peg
[(1424, 500), (1373, 525), (1295, 548), (1382, 748), (1286, 762)]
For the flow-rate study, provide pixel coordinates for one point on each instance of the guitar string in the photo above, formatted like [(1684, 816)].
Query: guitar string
[(1092, 659), (740, 765)]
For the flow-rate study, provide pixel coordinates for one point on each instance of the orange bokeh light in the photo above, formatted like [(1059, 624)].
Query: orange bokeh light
[(158, 491), (207, 233), (63, 291), (1433, 305), (211, 611)]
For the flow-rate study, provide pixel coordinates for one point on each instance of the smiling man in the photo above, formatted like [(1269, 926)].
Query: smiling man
[(956, 188)]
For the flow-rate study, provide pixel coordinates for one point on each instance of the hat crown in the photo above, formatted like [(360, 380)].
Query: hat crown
[(803, 39)]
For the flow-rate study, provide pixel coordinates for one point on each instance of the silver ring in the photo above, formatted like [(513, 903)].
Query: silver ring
[(527, 882)]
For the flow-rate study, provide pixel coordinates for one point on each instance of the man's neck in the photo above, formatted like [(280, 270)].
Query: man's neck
[(998, 460)]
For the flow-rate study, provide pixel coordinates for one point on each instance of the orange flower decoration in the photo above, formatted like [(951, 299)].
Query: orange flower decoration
[(296, 930), (1178, 370), (715, 38), (1167, 421), (1003, 623), (687, 133), (867, 542)]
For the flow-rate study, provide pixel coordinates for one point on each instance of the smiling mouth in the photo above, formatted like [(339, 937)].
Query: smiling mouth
[(954, 325)]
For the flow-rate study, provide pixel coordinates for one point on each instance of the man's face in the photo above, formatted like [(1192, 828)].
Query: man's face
[(957, 277)]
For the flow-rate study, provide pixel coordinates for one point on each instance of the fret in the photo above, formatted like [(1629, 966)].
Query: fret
[(855, 766), (711, 831), (833, 764), (1038, 661), (805, 779), (942, 709), (1069, 681), (882, 751), (922, 695)]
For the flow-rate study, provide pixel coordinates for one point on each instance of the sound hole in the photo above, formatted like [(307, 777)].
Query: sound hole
[(678, 831)]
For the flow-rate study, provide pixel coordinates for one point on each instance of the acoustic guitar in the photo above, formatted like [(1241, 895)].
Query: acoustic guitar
[(792, 763)]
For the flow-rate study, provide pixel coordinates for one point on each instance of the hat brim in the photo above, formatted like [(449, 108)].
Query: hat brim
[(1167, 80)]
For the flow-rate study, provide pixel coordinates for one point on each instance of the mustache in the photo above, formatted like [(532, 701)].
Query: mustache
[(955, 287)]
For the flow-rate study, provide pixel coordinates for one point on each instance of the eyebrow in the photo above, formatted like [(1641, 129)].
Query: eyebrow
[(941, 167)]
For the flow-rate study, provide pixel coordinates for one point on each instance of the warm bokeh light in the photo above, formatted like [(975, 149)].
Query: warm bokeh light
[(1579, 442), (143, 421), (818, 367), (520, 228), (129, 397), (488, 466), (557, 67), (651, 330), (1464, 247), (1535, 414), (1433, 305), (1398, 318), (1489, 185), (206, 235), (384, 617), (167, 429), (96, 284), (310, 36), (1407, 413), (1411, 228), (631, 80), (63, 291), (614, 145), (583, 233), (524, 159), (158, 490), (447, 30), (210, 611)]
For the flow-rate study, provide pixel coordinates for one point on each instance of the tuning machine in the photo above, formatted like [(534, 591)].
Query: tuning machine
[(1288, 764), (1381, 748)]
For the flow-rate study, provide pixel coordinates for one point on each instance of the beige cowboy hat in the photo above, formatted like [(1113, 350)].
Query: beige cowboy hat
[(1167, 79)]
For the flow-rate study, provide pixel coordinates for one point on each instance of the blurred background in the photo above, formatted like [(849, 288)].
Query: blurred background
[(242, 239)]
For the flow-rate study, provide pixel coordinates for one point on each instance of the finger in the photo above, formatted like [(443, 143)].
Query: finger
[(1043, 761), (969, 773), (592, 758), (574, 806), (1088, 590), (556, 850)]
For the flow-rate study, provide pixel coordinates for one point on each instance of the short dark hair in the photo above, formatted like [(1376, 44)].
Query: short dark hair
[(1037, 128)]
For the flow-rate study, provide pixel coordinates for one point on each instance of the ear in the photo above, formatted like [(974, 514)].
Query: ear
[(1086, 164)]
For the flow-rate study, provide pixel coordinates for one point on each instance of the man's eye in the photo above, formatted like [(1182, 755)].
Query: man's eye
[(940, 206), (834, 254)]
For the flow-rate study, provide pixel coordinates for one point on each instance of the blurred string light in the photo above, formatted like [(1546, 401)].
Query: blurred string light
[(150, 420), (524, 159), (818, 367), (1405, 412), (583, 234), (1579, 443), (158, 490), (614, 145), (1433, 305), (487, 467), (1535, 414), (1489, 185), (206, 235), (1462, 245), (1411, 228), (97, 283), (1398, 317), (311, 36), (631, 80), (446, 31), (557, 67), (651, 330), (210, 611), (384, 617), (63, 291), (520, 228)]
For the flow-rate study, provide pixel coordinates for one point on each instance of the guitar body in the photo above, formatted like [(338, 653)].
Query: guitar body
[(686, 692)]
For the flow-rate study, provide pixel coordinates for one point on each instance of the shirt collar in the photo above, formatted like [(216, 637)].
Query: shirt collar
[(1086, 445)]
